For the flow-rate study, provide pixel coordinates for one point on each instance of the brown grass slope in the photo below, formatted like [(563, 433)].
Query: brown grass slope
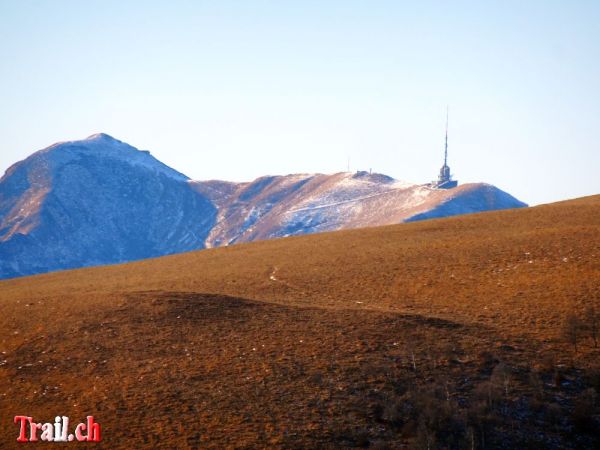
[(345, 339)]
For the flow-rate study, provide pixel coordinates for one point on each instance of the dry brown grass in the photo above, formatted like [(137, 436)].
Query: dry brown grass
[(313, 341)]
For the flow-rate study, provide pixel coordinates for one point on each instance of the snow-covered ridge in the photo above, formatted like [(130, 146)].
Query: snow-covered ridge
[(278, 206), (102, 145)]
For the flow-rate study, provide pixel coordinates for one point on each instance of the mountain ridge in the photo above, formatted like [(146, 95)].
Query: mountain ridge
[(100, 201), (310, 203)]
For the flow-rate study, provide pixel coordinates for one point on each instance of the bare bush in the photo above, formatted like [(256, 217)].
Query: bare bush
[(537, 385), (502, 377), (593, 378), (572, 330), (487, 360), (393, 413), (488, 393), (425, 439), (592, 322), (558, 377)]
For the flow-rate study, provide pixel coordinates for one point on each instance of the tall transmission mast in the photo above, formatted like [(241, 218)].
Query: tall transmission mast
[(446, 146), (445, 180)]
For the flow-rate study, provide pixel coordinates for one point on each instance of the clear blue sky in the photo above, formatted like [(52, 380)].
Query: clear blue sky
[(238, 89)]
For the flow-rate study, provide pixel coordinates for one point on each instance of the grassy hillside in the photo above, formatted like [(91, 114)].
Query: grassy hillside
[(467, 332)]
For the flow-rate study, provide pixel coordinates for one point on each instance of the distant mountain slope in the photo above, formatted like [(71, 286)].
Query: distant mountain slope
[(95, 201), (288, 205), (101, 201)]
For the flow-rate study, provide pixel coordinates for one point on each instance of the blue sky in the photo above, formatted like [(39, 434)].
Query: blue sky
[(238, 89)]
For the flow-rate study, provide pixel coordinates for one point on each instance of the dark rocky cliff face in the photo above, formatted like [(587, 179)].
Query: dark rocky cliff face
[(96, 201)]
